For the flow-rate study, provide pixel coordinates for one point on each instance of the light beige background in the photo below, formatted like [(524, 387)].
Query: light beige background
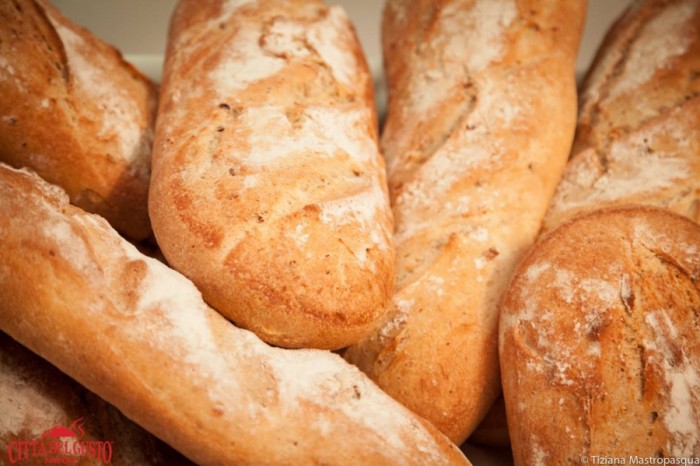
[(139, 27)]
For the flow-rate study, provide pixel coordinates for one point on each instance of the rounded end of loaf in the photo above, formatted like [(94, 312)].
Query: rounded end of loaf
[(326, 300), (599, 326), (295, 281), (417, 357), (273, 179), (202, 381)]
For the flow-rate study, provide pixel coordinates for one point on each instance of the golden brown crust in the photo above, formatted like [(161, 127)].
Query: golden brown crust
[(75, 112), (638, 134), (268, 188), (140, 336), (474, 156), (35, 397), (600, 326)]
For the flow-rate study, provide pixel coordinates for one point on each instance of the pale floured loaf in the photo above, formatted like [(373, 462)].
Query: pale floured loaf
[(474, 154), (268, 188), (638, 135), (600, 341), (35, 397), (139, 335), (76, 113)]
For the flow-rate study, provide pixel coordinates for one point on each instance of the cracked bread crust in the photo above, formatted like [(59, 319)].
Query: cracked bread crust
[(76, 113), (638, 134), (473, 156), (600, 341), (139, 335), (268, 188)]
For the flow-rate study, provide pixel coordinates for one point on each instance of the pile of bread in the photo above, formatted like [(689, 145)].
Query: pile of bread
[(324, 296)]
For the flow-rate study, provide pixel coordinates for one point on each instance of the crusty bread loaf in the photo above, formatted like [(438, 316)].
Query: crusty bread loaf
[(75, 112), (474, 155), (139, 335), (638, 135), (268, 188), (600, 342), (35, 397)]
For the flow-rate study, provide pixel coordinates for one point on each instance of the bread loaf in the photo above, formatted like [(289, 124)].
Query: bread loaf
[(600, 343), (268, 188), (473, 156), (638, 135), (35, 397), (139, 335), (75, 112)]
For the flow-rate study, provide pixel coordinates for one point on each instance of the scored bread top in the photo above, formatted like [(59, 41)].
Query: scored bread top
[(638, 134), (138, 334), (268, 188), (73, 110), (473, 157), (600, 326)]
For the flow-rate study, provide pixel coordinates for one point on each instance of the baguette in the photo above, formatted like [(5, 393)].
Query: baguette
[(268, 188), (600, 326), (35, 397), (139, 335), (638, 135), (473, 156), (76, 113)]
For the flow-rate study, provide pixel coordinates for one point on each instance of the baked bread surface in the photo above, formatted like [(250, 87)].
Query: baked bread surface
[(638, 134), (268, 188), (473, 155), (600, 340), (76, 113), (139, 335)]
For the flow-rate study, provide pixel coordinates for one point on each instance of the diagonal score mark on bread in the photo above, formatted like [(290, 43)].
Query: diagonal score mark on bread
[(139, 335), (637, 142), (76, 112), (637, 138), (279, 193), (608, 339), (473, 156)]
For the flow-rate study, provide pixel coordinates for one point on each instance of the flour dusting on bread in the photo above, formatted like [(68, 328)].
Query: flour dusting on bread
[(470, 39), (120, 114), (477, 34), (230, 376), (639, 164), (637, 138), (244, 64), (326, 36), (609, 329), (661, 41), (682, 416), (261, 53), (315, 132)]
